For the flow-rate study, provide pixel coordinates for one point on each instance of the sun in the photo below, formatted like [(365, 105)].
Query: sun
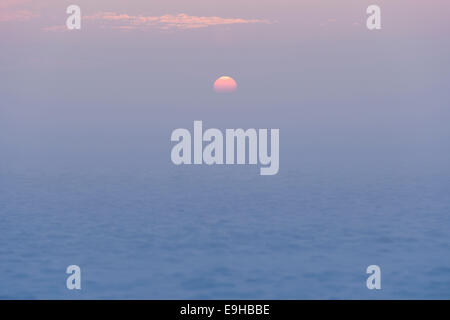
[(225, 84)]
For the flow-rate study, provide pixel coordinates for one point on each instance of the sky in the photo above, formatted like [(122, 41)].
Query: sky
[(307, 64), (303, 65), (145, 52)]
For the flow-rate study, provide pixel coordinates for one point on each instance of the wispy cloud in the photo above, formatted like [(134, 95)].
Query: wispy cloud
[(180, 21), (57, 28), (17, 15), (11, 3), (12, 11)]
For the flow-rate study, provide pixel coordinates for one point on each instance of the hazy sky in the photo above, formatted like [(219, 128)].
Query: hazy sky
[(278, 51), (301, 63)]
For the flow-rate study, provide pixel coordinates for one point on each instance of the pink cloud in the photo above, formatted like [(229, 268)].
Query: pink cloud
[(57, 28), (11, 3), (17, 15), (12, 11), (168, 21)]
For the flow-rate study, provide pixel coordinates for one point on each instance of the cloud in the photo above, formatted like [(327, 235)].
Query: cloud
[(57, 28), (11, 11), (11, 3), (17, 15), (180, 21)]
